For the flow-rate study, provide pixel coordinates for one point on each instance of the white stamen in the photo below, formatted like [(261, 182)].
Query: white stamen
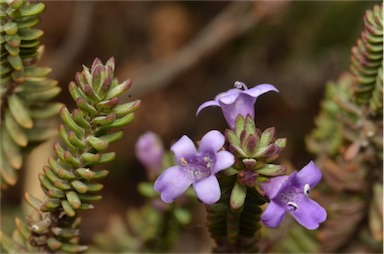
[(306, 189), (293, 205), (208, 161), (240, 85)]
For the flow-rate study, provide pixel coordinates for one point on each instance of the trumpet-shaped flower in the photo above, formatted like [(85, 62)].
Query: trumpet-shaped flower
[(238, 101), (290, 194), (196, 167)]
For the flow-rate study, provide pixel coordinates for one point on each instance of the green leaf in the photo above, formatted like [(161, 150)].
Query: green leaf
[(238, 195), (32, 9), (28, 34), (15, 62), (19, 111)]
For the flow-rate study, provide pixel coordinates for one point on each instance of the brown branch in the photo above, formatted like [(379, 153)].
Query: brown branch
[(232, 22)]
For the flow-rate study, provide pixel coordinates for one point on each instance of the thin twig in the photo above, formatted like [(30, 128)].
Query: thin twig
[(233, 21)]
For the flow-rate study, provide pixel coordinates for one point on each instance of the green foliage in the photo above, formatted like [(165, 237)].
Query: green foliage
[(152, 228), (367, 61), (348, 142), (70, 181), (25, 90)]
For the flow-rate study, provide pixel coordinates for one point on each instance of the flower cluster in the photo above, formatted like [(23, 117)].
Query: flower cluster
[(249, 151)]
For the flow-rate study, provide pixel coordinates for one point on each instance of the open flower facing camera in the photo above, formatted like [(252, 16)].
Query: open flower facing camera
[(291, 194), (196, 167)]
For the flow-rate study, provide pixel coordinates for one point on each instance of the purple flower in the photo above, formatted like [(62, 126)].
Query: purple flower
[(195, 167), (238, 101), (149, 150), (290, 194)]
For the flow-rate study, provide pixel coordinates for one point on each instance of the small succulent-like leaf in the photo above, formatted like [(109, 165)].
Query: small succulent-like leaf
[(97, 143), (68, 209), (79, 118), (107, 157), (119, 89), (119, 122), (40, 95), (126, 108), (15, 62), (113, 137), (67, 118), (73, 248), (47, 111), (28, 34), (14, 130), (267, 136), (33, 201), (73, 199), (54, 244), (91, 158), (271, 170), (238, 195), (11, 150), (80, 186)]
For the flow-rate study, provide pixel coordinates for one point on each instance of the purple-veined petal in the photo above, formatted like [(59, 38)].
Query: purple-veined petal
[(184, 147), (310, 174), (208, 190), (309, 213), (224, 159), (275, 185), (172, 183), (260, 89), (212, 141), (273, 215), (207, 104)]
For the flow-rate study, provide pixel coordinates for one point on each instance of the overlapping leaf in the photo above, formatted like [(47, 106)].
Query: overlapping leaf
[(70, 181), (25, 89)]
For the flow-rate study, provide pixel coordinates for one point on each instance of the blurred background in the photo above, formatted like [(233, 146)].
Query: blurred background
[(181, 54)]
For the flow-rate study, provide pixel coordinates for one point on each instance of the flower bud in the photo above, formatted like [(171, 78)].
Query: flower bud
[(149, 151)]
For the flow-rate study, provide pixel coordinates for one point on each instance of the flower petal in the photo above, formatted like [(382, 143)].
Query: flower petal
[(273, 215), (224, 159), (207, 104), (310, 174), (260, 89), (208, 190), (172, 183), (309, 214), (184, 147), (275, 185), (228, 97), (212, 141), (243, 105)]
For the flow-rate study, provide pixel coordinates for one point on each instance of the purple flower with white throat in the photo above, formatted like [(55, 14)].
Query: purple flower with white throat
[(290, 194), (196, 167), (238, 101)]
